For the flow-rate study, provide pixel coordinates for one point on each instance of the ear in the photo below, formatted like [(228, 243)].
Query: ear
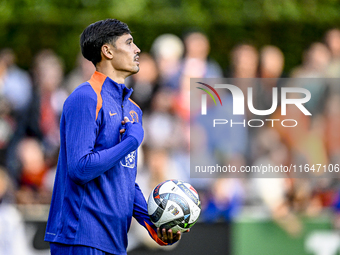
[(107, 51)]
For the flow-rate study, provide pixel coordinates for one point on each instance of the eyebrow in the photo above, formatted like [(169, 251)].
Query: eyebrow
[(129, 39)]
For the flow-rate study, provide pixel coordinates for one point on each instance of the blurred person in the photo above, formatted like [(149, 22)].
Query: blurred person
[(33, 173), (80, 74), (332, 40), (161, 166), (201, 154), (163, 129), (98, 153), (195, 64), (145, 82), (222, 145), (265, 141), (271, 62), (228, 144), (322, 195), (306, 140), (181, 98), (13, 240), (197, 49), (168, 51), (15, 96), (225, 200), (48, 77), (315, 62), (332, 127), (270, 70), (15, 83), (7, 126), (244, 61), (42, 117), (288, 197), (305, 144), (314, 143), (273, 189), (244, 64)]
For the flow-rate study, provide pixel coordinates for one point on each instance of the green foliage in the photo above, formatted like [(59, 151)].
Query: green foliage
[(30, 25)]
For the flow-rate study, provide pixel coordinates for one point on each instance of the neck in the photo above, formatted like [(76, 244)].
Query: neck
[(110, 72)]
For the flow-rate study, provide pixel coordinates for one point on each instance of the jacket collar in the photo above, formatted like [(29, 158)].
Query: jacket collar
[(117, 90)]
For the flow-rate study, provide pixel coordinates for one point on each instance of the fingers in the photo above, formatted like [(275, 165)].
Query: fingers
[(126, 119), (165, 236), (159, 233), (171, 236), (178, 236)]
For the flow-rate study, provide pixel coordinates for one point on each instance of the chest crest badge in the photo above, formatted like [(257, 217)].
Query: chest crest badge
[(129, 160), (134, 116)]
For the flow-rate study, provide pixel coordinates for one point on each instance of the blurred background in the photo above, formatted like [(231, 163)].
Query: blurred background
[(40, 65)]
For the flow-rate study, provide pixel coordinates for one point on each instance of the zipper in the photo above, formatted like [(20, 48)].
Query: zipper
[(121, 135)]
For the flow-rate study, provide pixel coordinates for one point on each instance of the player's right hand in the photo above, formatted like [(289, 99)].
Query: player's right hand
[(133, 129), (168, 236)]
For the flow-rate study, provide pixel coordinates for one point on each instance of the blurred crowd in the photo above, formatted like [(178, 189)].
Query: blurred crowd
[(31, 104)]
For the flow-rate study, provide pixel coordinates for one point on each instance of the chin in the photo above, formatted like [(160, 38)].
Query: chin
[(133, 71), (136, 70)]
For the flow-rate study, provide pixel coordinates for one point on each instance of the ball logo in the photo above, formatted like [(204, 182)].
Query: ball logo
[(187, 192), (173, 210)]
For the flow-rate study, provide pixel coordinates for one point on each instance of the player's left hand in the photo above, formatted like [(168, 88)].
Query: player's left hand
[(122, 131), (168, 236)]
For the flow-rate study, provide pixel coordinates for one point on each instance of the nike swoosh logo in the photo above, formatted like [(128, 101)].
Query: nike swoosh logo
[(111, 114)]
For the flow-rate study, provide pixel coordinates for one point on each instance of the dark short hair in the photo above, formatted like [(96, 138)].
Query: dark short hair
[(99, 33)]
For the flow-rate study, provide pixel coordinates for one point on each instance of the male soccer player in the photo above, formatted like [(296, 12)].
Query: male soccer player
[(95, 194)]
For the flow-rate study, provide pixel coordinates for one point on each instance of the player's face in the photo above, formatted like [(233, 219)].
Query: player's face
[(125, 55)]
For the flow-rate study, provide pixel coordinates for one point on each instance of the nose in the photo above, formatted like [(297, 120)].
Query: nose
[(137, 50)]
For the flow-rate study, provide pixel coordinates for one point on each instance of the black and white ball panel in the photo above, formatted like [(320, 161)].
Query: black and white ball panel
[(174, 205)]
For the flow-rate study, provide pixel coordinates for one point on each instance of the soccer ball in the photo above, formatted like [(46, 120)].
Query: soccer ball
[(175, 205)]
